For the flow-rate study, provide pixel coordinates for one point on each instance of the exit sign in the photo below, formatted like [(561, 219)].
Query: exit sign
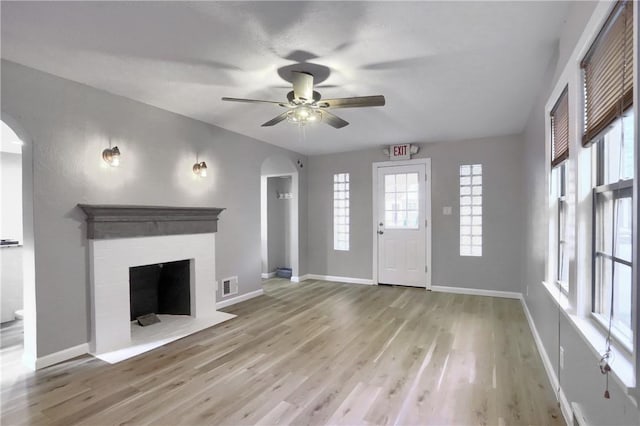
[(400, 152)]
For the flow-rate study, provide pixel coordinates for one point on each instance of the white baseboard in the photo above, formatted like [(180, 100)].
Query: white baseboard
[(546, 362), (336, 279), (267, 275), (476, 292), (297, 279), (228, 302), (60, 356)]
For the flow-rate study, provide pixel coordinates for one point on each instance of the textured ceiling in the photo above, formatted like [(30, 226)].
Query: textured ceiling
[(449, 70)]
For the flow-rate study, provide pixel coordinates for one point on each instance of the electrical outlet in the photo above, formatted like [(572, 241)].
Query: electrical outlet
[(561, 358)]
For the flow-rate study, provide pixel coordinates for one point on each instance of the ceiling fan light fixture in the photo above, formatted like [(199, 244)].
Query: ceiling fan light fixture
[(305, 105), (303, 114)]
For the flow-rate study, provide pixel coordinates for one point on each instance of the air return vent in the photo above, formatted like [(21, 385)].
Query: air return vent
[(229, 286)]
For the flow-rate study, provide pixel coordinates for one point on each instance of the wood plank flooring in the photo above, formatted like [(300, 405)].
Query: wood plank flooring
[(309, 354)]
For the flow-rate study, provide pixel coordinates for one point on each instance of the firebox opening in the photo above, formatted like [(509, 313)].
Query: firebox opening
[(163, 288)]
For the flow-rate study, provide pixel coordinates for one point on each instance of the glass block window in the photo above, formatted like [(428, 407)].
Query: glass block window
[(401, 201), (471, 210), (341, 211)]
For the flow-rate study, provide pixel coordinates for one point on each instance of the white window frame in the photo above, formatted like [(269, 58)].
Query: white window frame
[(576, 305), (614, 191), (558, 226)]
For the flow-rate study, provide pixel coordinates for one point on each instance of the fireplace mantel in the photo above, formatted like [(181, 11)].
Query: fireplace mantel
[(126, 221)]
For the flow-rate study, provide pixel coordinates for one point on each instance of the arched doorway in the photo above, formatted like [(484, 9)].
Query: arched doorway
[(18, 259), (279, 207)]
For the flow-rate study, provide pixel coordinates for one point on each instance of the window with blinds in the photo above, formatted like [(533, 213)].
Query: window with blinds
[(560, 129), (608, 72)]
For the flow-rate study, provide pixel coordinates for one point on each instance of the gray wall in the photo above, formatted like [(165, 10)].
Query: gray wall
[(497, 269), (278, 222), (581, 380), (70, 124)]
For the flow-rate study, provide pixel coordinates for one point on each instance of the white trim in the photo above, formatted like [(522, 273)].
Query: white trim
[(636, 210), (238, 299), (565, 407), (337, 279), (268, 275), (477, 292), (297, 279), (57, 357), (374, 184)]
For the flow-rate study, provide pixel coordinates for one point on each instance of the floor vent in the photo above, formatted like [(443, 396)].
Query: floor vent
[(229, 286)]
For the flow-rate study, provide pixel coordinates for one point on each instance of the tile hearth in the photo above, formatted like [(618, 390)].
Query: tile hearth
[(169, 329)]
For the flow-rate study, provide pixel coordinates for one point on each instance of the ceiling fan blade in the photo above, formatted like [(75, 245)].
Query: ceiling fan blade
[(302, 85), (276, 120), (333, 120), (250, 101), (356, 102)]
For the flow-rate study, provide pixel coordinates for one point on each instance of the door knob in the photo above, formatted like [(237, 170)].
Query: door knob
[(380, 232)]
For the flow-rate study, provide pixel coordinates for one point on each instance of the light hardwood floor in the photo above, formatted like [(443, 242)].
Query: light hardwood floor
[(314, 353)]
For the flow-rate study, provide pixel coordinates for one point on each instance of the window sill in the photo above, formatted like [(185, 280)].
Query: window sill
[(622, 363)]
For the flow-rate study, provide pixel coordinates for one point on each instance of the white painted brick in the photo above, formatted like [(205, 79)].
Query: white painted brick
[(110, 263)]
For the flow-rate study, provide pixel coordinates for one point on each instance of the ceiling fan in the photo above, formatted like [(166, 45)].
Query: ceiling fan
[(305, 105)]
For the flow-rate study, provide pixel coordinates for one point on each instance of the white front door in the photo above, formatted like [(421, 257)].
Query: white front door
[(401, 224)]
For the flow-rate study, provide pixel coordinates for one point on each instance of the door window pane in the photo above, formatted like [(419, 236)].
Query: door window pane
[(402, 201)]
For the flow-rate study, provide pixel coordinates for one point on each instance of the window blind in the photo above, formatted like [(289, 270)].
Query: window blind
[(608, 72), (560, 129)]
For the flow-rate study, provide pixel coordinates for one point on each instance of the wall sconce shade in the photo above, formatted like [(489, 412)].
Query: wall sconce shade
[(200, 169), (111, 156)]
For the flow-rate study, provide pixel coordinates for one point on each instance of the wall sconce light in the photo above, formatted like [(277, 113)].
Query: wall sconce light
[(200, 169), (111, 156)]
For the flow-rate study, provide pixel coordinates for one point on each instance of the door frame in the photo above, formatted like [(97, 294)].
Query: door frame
[(427, 189)]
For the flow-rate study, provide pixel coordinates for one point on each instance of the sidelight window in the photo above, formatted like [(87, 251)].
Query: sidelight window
[(341, 211), (471, 210)]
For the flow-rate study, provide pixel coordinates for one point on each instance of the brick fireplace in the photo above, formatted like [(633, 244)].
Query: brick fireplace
[(124, 237)]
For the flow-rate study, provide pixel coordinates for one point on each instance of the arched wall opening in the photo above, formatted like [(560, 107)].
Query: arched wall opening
[(275, 171), (27, 240)]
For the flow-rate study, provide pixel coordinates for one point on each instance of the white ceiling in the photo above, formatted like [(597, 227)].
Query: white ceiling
[(449, 70)]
